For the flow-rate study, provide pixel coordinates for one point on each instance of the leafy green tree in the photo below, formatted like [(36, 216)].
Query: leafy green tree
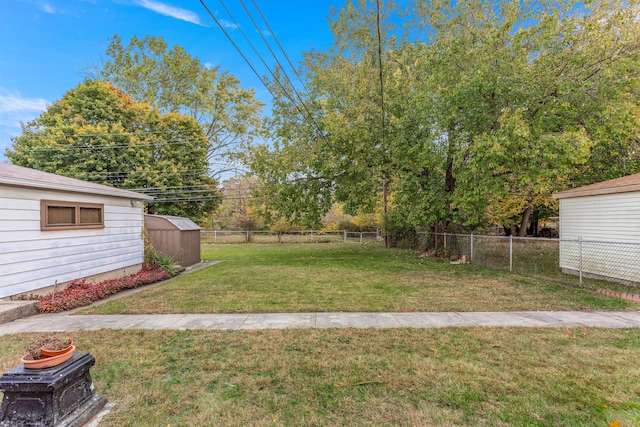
[(521, 91), (339, 146), (490, 107), (174, 81), (96, 132)]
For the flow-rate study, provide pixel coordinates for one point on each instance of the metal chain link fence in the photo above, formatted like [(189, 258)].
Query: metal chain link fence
[(580, 262)]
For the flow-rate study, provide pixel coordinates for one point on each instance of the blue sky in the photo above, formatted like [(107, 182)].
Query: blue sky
[(45, 45)]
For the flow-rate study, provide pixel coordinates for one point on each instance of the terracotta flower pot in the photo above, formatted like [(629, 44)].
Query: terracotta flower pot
[(50, 353), (48, 362)]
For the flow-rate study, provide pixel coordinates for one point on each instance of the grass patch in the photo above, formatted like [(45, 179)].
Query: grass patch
[(352, 278), (450, 376)]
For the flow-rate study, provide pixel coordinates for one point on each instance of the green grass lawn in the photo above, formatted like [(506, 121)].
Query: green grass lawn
[(263, 278), (357, 377), (352, 377)]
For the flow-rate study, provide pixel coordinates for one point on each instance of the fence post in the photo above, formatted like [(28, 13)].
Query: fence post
[(510, 252), (215, 236), (471, 255), (580, 258), (247, 236), (345, 236), (445, 241), (361, 237)]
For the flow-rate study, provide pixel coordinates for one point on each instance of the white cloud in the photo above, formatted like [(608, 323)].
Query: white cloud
[(46, 7), (227, 24), (171, 11), (14, 108)]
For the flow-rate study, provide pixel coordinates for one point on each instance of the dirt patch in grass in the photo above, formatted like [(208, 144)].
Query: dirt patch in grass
[(451, 376), (355, 278)]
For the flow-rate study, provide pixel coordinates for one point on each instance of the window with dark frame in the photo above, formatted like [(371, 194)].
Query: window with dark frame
[(59, 215)]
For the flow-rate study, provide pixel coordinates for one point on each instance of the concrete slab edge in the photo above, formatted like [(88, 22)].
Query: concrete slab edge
[(13, 310)]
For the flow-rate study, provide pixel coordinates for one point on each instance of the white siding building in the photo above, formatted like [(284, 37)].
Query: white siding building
[(55, 229), (607, 211)]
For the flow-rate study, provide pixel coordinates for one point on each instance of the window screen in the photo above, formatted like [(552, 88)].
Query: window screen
[(61, 215), (90, 215)]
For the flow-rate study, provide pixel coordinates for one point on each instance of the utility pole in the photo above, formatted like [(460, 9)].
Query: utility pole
[(384, 206)]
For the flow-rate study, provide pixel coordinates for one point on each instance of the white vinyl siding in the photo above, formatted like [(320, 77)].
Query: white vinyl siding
[(602, 217), (31, 259), (598, 219)]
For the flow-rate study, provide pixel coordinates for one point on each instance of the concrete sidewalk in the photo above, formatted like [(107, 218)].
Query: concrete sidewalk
[(68, 321), (65, 322)]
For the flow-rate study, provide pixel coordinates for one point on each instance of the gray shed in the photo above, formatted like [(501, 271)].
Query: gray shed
[(174, 236)]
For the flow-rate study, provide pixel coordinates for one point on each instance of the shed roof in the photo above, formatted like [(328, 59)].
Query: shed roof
[(619, 185), (18, 176), (177, 222)]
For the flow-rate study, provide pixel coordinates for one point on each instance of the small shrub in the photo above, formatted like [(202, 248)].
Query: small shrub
[(164, 261)]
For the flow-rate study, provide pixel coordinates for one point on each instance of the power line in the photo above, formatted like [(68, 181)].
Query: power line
[(242, 187), (157, 144), (133, 171), (159, 132), (380, 69), (192, 199), (382, 137), (95, 176), (282, 67), (279, 45), (309, 119), (274, 56), (236, 46), (253, 48), (240, 51)]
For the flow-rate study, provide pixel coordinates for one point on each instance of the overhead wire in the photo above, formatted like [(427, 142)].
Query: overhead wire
[(380, 70), (157, 144), (219, 24), (275, 37), (286, 76), (307, 118), (254, 49), (273, 34), (122, 133), (283, 68), (382, 114)]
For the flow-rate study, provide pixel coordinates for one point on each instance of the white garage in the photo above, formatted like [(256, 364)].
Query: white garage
[(55, 229), (600, 230)]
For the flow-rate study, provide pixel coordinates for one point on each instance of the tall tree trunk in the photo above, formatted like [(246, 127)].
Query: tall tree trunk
[(449, 180), (525, 221)]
